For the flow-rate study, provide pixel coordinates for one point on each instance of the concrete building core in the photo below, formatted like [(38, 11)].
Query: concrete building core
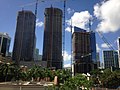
[(24, 41), (52, 45)]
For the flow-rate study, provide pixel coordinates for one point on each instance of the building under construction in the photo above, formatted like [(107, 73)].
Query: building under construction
[(52, 45), (84, 54), (24, 41)]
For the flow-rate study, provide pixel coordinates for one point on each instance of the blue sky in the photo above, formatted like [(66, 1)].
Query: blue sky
[(105, 12)]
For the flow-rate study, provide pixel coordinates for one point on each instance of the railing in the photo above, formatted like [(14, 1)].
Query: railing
[(23, 87)]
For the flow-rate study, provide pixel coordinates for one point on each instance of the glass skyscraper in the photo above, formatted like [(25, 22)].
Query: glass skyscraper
[(4, 44), (110, 59), (119, 50), (93, 46)]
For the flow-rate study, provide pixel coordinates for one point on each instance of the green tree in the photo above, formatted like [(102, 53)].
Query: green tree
[(104, 76), (95, 76), (35, 72), (7, 71), (76, 82), (63, 75), (110, 79)]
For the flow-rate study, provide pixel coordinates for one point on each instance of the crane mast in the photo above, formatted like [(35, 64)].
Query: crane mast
[(64, 29), (36, 8)]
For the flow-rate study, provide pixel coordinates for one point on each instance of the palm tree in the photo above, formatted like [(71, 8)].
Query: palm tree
[(7, 71), (36, 72), (63, 75)]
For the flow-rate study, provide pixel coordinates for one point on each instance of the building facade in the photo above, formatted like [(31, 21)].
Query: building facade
[(110, 59), (93, 47), (36, 54), (52, 45), (4, 44), (24, 41), (119, 50), (98, 60), (84, 54)]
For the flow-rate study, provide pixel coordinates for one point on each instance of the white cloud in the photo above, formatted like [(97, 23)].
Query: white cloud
[(97, 47), (104, 45), (67, 65), (97, 11), (68, 29), (79, 19), (69, 10), (39, 23), (108, 14), (66, 56)]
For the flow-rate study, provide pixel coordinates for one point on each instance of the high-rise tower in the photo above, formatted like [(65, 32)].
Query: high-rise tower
[(4, 44), (119, 51), (52, 45), (24, 41), (84, 50)]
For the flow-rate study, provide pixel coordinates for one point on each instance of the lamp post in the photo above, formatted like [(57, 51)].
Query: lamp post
[(72, 67)]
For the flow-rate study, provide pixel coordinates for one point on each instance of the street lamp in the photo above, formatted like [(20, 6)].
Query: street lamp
[(86, 55)]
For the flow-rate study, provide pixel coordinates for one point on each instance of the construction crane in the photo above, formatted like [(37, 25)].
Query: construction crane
[(101, 35), (39, 1), (36, 6), (64, 29), (33, 3), (105, 40)]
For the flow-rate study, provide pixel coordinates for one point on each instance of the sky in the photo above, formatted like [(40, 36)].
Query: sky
[(105, 16)]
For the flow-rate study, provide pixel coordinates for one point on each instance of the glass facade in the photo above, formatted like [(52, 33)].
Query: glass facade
[(0, 41), (77, 29), (4, 44), (119, 43), (119, 50), (93, 46), (110, 59)]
